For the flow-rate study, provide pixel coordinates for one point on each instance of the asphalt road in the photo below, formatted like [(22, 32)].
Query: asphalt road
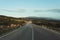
[(31, 32)]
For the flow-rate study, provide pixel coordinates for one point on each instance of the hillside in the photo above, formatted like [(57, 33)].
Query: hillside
[(8, 24), (49, 23)]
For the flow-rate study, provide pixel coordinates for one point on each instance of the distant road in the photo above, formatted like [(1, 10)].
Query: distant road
[(31, 32)]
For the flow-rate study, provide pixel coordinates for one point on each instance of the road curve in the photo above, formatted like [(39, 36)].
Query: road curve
[(31, 32)]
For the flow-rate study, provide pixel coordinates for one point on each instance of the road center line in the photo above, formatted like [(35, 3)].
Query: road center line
[(32, 34)]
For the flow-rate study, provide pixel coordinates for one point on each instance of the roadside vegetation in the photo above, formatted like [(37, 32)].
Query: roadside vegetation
[(8, 24), (47, 23)]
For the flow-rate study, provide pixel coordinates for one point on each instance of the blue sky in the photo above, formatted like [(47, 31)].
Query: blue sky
[(14, 8), (29, 3)]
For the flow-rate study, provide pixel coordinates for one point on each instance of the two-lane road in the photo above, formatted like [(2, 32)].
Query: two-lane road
[(31, 32)]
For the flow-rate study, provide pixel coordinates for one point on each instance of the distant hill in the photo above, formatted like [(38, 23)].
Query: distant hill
[(42, 18)]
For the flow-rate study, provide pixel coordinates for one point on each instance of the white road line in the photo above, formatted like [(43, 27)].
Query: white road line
[(10, 33), (32, 34)]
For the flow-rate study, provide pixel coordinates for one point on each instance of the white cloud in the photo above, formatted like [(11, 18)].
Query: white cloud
[(30, 10)]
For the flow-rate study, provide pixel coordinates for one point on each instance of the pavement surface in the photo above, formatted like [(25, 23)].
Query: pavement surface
[(31, 32)]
